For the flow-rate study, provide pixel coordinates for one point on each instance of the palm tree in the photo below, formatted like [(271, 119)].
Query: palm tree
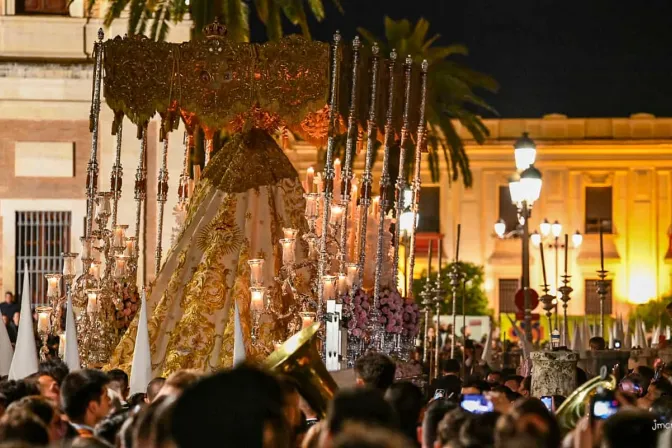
[(235, 14), (450, 96)]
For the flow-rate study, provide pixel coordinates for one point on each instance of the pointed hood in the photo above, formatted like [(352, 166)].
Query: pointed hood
[(576, 345), (71, 356), (487, 350), (141, 368), (656, 336), (238, 341), (6, 351), (24, 361)]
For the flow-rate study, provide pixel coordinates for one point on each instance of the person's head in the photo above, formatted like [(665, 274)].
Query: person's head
[(450, 426), (513, 382), (629, 428), (450, 367), (84, 396), (511, 396), (137, 399), (108, 428), (15, 390), (23, 426), (659, 388), (243, 406), (597, 343), (359, 436), (662, 408), (9, 297), (45, 411), (528, 417), (475, 386), (361, 405), (153, 388), (375, 370), (525, 386), (55, 368), (494, 377), (118, 382), (430, 422), (152, 425), (178, 381), (407, 400), (478, 430)]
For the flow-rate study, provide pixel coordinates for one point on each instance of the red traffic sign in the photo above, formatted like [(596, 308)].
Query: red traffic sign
[(519, 300), (520, 315)]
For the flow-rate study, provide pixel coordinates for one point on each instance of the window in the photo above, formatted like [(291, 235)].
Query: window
[(593, 299), (52, 7), (430, 210), (598, 209), (41, 238), (507, 211), (507, 294)]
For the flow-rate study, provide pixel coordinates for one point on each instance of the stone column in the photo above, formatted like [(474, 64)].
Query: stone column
[(642, 357), (665, 354), (553, 373)]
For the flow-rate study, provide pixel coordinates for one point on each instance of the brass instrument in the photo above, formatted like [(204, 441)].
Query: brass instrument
[(574, 407), (299, 358)]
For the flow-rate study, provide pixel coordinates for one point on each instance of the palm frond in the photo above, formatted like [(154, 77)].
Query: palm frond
[(396, 30), (296, 14), (262, 7), (236, 16), (317, 7)]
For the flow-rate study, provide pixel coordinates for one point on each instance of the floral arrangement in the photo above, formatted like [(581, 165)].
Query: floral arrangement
[(127, 307), (391, 306), (356, 312), (410, 319)]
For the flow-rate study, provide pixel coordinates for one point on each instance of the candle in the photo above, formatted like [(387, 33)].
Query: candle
[(342, 284), (130, 246), (94, 270), (61, 345), (601, 248), (336, 214), (353, 200), (69, 269), (310, 176), (290, 233), (329, 282), (256, 272), (311, 205), (352, 269), (43, 321), (374, 206), (287, 250), (53, 285), (543, 263), (318, 182), (257, 298), (312, 249), (120, 266), (566, 251), (92, 302), (337, 178), (119, 236), (86, 247), (307, 319)]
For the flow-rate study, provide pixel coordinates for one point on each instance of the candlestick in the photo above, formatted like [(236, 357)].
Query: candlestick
[(69, 268), (543, 262), (311, 205), (130, 246), (601, 248), (257, 298), (287, 250), (256, 272), (566, 251), (94, 270), (307, 319), (119, 236), (336, 214), (86, 247), (310, 176), (120, 266), (290, 233)]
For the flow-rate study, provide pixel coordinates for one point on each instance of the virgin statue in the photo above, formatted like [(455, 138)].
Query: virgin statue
[(248, 193)]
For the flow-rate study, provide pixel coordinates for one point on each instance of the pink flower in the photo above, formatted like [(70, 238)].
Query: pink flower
[(351, 324), (365, 305), (356, 332)]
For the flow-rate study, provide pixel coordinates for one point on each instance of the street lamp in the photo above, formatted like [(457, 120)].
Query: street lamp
[(525, 152)]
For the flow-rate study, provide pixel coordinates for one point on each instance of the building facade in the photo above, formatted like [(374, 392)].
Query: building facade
[(617, 171)]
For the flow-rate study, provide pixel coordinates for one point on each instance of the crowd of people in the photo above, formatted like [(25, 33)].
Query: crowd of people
[(249, 407)]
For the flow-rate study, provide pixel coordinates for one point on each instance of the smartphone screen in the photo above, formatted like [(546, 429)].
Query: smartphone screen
[(548, 402), (439, 394), (476, 404), (603, 408)]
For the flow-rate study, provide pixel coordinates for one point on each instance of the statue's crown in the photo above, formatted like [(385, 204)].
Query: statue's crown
[(215, 29)]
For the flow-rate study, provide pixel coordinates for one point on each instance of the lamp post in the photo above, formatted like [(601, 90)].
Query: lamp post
[(549, 235), (524, 188)]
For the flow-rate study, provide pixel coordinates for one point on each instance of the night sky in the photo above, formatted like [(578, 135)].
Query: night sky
[(590, 58)]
